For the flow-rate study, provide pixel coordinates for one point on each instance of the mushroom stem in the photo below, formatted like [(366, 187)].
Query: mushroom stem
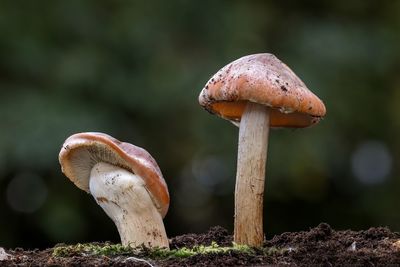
[(126, 200), (250, 177)]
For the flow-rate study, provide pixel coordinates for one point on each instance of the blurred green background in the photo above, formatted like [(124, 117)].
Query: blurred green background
[(134, 70)]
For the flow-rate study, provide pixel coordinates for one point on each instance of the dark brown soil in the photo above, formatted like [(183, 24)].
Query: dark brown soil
[(321, 246)]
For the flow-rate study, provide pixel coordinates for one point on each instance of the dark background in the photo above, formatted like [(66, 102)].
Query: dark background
[(134, 69)]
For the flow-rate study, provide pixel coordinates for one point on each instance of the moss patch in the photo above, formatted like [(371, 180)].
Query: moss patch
[(188, 252), (154, 253), (105, 249)]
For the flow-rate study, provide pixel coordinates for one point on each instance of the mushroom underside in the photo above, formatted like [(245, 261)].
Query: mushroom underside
[(279, 117)]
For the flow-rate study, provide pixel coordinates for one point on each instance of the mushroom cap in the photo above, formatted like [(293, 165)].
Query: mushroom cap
[(81, 151), (263, 79)]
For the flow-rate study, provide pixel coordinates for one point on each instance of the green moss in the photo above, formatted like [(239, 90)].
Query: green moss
[(118, 249), (91, 249), (188, 252), (270, 251)]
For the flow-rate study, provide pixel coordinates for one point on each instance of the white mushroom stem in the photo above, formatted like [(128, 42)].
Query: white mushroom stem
[(250, 177), (125, 199)]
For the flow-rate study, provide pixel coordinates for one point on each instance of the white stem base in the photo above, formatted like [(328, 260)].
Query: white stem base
[(125, 199), (250, 177)]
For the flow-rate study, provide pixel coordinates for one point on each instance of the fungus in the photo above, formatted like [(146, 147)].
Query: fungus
[(124, 180), (250, 93)]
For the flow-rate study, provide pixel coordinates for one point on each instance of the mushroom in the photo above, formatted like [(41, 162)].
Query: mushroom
[(124, 180), (257, 92)]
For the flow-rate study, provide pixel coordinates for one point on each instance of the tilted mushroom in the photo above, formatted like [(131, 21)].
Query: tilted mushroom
[(257, 92), (124, 180)]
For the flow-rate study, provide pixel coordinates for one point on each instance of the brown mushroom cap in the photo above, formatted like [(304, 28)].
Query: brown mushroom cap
[(263, 79), (80, 152)]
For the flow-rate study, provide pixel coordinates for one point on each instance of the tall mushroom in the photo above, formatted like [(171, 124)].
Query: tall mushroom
[(124, 180), (257, 92)]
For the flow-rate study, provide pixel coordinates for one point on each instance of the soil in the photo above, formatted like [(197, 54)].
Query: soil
[(320, 246)]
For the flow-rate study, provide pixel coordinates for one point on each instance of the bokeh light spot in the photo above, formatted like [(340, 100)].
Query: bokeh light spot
[(26, 192), (212, 174), (371, 162)]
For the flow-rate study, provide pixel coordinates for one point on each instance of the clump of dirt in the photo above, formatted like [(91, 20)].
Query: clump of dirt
[(319, 246), (322, 245), (216, 234)]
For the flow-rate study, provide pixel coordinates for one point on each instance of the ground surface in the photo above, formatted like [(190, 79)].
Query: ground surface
[(320, 246)]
